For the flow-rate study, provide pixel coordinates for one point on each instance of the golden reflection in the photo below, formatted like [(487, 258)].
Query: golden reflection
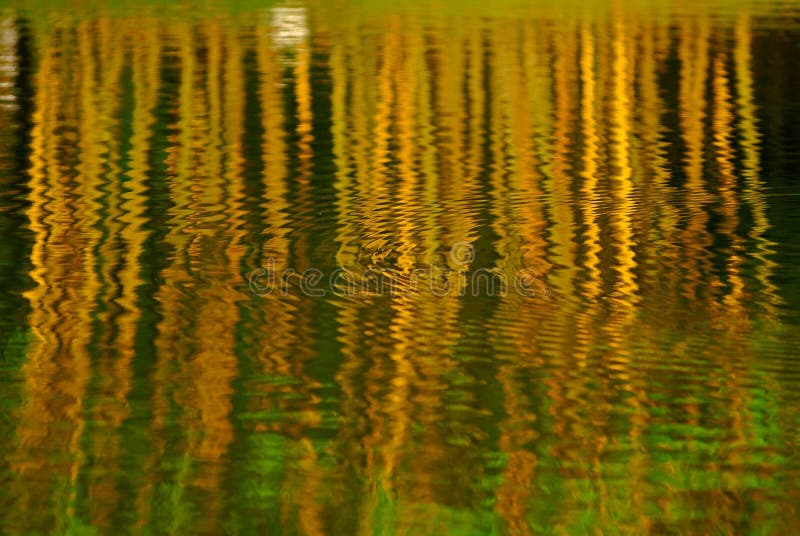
[(170, 157), (721, 127), (694, 55), (58, 368), (754, 191)]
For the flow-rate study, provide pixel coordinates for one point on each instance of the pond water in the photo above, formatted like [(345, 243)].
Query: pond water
[(418, 268)]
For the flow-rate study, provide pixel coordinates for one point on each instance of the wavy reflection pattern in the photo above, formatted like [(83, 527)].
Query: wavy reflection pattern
[(617, 154)]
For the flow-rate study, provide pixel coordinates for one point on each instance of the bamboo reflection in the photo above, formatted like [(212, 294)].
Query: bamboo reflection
[(58, 369), (753, 194), (659, 253), (117, 266), (539, 142), (721, 127), (693, 51)]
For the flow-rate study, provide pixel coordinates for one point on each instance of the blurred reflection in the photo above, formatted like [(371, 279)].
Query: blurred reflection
[(151, 161)]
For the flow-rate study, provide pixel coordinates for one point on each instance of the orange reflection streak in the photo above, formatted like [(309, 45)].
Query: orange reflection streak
[(397, 409), (58, 369), (500, 150), (660, 251), (753, 187), (626, 296), (341, 127), (449, 180), (589, 195), (562, 229), (733, 310), (303, 480), (533, 224), (621, 183), (721, 127), (418, 315), (35, 416), (515, 493), (173, 342), (277, 329), (301, 57), (693, 52), (473, 122), (214, 362), (372, 193), (118, 253)]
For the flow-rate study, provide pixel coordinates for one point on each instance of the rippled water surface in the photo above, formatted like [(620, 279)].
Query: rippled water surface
[(421, 268)]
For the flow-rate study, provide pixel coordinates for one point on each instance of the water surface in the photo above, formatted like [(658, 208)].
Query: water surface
[(170, 175)]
